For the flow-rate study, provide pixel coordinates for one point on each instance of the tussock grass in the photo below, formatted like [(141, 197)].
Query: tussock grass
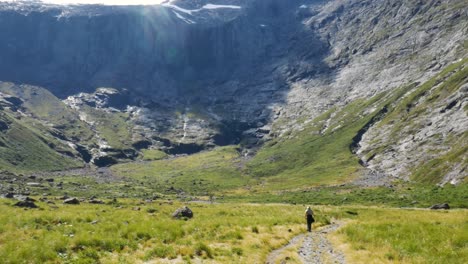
[(405, 236), (109, 234)]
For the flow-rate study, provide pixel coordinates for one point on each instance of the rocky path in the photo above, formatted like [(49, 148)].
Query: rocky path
[(312, 247)]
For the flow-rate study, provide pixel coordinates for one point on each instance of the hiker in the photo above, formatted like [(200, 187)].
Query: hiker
[(309, 215)]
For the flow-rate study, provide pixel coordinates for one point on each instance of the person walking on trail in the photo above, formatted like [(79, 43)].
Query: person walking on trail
[(309, 215)]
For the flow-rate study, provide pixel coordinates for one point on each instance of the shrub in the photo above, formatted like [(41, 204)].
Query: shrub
[(151, 210), (202, 249), (255, 229), (237, 251)]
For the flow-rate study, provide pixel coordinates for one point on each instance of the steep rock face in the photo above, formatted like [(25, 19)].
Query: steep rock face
[(376, 46), (147, 49), (183, 55), (427, 139)]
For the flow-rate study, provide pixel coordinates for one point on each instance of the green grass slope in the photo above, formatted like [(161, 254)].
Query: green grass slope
[(43, 105), (22, 149), (203, 173), (43, 116)]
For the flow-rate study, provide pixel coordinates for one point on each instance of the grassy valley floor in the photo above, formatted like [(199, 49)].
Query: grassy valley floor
[(135, 231)]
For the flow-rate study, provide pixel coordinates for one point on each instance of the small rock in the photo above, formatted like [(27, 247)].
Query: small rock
[(440, 206), (94, 201), (183, 212), (71, 201)]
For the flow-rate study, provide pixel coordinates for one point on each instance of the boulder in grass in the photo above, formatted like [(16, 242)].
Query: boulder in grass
[(183, 212), (30, 199), (26, 204), (34, 184), (444, 206), (71, 201)]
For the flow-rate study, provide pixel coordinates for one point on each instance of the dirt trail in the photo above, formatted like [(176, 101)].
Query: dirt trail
[(312, 247)]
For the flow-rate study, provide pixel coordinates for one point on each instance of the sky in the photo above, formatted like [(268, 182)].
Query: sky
[(107, 2)]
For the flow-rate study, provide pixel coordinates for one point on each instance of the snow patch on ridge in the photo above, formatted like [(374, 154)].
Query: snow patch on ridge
[(211, 6), (205, 7), (186, 20)]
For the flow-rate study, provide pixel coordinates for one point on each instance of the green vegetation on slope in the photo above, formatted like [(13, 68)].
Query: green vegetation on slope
[(153, 154), (40, 113), (43, 105), (22, 149), (111, 127), (318, 154)]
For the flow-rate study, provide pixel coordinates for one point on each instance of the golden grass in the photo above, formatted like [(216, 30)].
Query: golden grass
[(405, 236), (219, 233)]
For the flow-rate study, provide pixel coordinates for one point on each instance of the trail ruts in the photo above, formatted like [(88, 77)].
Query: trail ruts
[(312, 247)]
